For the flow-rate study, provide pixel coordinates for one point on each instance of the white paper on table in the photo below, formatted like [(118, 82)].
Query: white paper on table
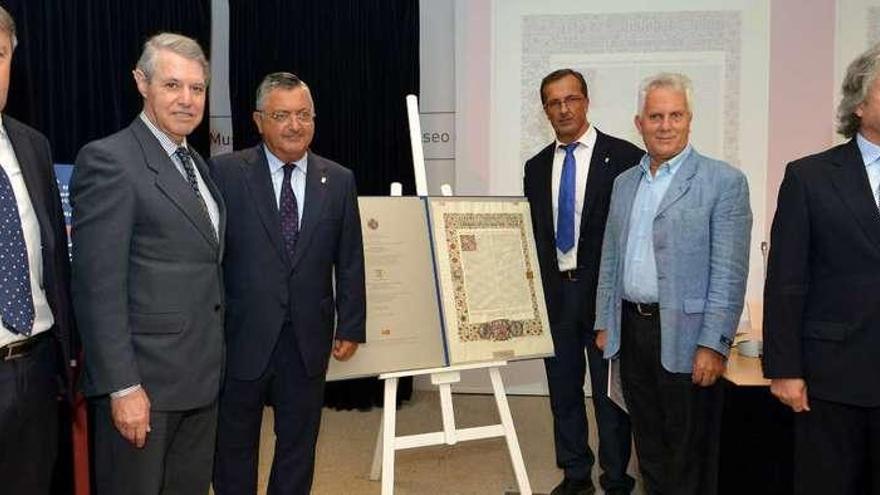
[(615, 388)]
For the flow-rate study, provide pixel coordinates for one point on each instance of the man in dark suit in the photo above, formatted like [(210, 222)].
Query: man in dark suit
[(568, 185), (34, 298), (147, 233), (294, 227), (822, 298)]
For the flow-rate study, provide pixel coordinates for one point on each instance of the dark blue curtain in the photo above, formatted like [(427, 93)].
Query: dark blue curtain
[(360, 58), (71, 73)]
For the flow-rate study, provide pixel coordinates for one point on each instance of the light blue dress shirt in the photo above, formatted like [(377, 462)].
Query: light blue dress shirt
[(871, 157), (640, 267), (297, 179)]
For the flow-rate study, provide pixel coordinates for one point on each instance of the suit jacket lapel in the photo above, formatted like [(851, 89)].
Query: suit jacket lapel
[(681, 182), (850, 179), (36, 187), (170, 181), (216, 195), (259, 184), (598, 168), (545, 189), (316, 189)]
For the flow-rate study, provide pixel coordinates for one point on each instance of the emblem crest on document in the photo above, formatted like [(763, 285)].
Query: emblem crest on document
[(468, 242), (373, 224)]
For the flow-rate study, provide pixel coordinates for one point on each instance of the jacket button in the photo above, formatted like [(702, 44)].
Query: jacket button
[(217, 307)]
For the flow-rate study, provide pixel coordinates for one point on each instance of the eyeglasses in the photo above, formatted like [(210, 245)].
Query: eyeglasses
[(303, 116), (568, 101)]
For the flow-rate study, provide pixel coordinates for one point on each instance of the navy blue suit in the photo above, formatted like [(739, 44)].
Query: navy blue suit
[(571, 310), (822, 317), (29, 385), (280, 314)]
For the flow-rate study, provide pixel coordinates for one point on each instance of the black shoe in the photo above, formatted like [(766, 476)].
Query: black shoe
[(574, 487)]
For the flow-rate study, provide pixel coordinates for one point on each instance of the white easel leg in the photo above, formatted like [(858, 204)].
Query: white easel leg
[(389, 414), (376, 467), (516, 459)]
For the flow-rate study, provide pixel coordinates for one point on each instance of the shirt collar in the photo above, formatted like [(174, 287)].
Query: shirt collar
[(668, 167), (275, 163), (167, 143), (870, 151), (587, 139)]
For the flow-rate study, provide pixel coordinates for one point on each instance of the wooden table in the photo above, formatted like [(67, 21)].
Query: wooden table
[(757, 431)]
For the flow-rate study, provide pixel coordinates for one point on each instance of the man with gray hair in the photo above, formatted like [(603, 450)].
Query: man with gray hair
[(671, 288), (148, 228), (822, 298), (294, 230), (34, 298)]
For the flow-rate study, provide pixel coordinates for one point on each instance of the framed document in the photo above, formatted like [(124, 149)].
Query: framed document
[(403, 314), (491, 295)]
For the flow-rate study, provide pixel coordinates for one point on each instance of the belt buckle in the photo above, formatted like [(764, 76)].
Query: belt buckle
[(9, 350), (569, 275), (641, 311)]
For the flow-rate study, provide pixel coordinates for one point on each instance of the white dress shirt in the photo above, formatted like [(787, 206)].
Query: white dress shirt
[(583, 154)]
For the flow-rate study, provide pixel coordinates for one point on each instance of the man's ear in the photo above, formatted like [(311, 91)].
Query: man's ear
[(141, 80)]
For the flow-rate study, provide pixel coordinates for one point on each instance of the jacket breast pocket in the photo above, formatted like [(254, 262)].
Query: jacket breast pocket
[(693, 227), (827, 330), (156, 323)]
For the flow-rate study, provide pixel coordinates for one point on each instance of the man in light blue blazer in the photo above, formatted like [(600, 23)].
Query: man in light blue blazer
[(671, 287)]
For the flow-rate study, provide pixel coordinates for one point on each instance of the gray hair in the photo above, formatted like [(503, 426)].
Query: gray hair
[(669, 80), (7, 25), (860, 76), (187, 48), (280, 80)]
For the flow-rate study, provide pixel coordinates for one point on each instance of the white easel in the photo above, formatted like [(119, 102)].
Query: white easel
[(387, 443)]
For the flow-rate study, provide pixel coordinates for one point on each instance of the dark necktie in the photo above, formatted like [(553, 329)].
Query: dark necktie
[(289, 211), (185, 157), (16, 299), (566, 200)]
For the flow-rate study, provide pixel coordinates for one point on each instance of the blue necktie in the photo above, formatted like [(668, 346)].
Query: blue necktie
[(289, 212), (16, 300), (566, 200)]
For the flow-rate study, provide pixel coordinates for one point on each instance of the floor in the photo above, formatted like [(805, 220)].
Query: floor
[(347, 440)]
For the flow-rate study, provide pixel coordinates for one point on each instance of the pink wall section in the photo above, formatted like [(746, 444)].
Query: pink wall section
[(801, 120)]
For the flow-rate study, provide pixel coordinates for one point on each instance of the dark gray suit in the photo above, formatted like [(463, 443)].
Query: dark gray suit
[(148, 293)]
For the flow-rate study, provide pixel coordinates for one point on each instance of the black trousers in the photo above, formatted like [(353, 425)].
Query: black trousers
[(29, 391), (565, 378), (837, 449), (296, 400), (176, 459), (676, 424)]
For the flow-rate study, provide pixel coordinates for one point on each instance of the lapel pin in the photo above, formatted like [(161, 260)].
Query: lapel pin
[(323, 180), (607, 159)]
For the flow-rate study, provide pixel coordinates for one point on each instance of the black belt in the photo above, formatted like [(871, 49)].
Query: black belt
[(647, 310), (572, 275), (21, 348)]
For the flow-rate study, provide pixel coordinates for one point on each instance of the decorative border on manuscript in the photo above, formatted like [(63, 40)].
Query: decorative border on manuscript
[(495, 330)]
